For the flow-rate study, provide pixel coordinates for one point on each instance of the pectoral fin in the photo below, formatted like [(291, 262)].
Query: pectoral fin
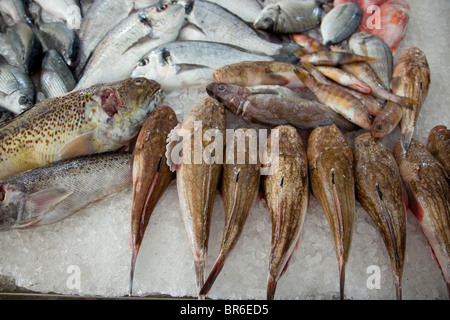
[(78, 146)]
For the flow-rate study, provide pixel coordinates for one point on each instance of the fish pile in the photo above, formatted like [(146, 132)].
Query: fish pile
[(83, 116)]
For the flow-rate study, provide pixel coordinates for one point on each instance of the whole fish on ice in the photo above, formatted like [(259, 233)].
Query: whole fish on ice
[(438, 143)]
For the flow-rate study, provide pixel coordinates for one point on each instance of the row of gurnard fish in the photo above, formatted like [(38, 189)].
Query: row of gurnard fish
[(149, 48)]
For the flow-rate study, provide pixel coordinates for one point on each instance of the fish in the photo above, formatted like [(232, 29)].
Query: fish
[(286, 191), (5, 116), (67, 10), (17, 90), (373, 46), (438, 144), (428, 194), (58, 190), (333, 58), (94, 26), (98, 119), (366, 74), (202, 24), (309, 44), (185, 63), (340, 23), (290, 16), (330, 161), (276, 105), (394, 18), (379, 190), (344, 78), (370, 9), (55, 76), (198, 174), (150, 174), (254, 73), (411, 79), (386, 120), (340, 101), (249, 15), (239, 189), (128, 41), (14, 11), (9, 53)]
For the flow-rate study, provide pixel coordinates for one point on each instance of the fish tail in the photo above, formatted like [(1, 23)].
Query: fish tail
[(271, 287), (405, 140), (217, 268), (398, 286), (200, 274), (133, 264), (341, 279)]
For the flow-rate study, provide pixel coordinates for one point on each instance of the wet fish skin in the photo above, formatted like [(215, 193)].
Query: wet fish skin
[(386, 120), (55, 76), (330, 161), (58, 190), (366, 44), (340, 23), (239, 188), (256, 104), (150, 174), (378, 186), (253, 73), (411, 79), (336, 98), (438, 143), (287, 194), (333, 58), (197, 182), (100, 118), (17, 91), (345, 79), (129, 40), (309, 44), (289, 16), (428, 194)]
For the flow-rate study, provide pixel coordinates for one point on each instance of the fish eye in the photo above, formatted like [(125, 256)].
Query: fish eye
[(162, 8), (221, 87), (144, 62), (23, 100), (138, 81)]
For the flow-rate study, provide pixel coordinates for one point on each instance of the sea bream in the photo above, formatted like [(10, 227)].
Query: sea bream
[(150, 173), (98, 119), (286, 191), (17, 91), (429, 199), (198, 172), (58, 190), (116, 55)]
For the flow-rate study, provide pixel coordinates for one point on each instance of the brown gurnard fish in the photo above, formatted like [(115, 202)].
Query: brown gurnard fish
[(276, 105), (379, 191), (151, 175), (286, 191), (339, 100), (330, 161), (438, 144), (254, 73), (198, 173), (101, 118), (411, 79), (240, 187), (429, 199)]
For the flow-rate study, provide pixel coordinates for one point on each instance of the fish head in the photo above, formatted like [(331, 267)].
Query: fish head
[(228, 94), (12, 204), (128, 106), (267, 18), (19, 102), (163, 18)]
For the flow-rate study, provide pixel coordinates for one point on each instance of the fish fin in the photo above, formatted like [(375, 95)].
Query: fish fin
[(39, 203), (274, 79), (407, 103), (265, 91), (218, 265), (173, 145), (81, 145), (271, 287)]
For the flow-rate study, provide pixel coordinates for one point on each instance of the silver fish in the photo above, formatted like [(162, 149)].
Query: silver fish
[(340, 23), (290, 16), (132, 38), (189, 63), (67, 10), (56, 191), (17, 92), (55, 77), (9, 52), (210, 22)]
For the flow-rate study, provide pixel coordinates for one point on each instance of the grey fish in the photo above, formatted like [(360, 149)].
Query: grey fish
[(290, 16), (58, 190), (373, 46), (55, 77), (17, 92), (116, 55), (429, 199), (340, 23), (189, 63), (14, 11), (210, 22), (198, 175), (379, 191), (68, 11), (5, 116), (9, 53), (276, 105), (287, 194), (330, 161)]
